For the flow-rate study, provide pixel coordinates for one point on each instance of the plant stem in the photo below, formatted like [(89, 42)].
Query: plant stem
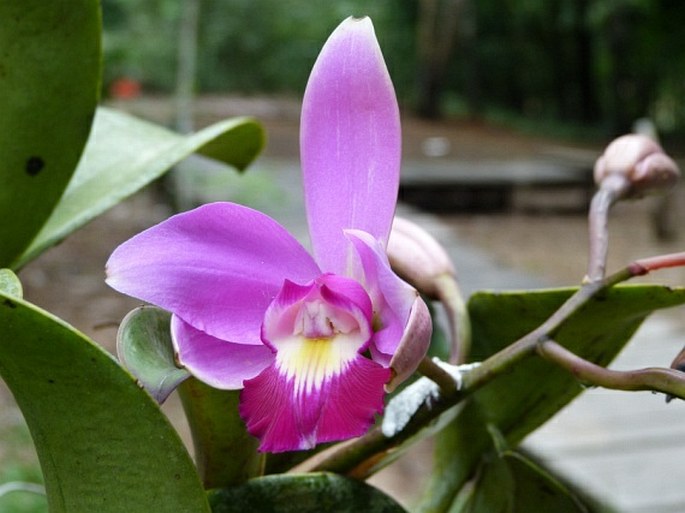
[(668, 381), (611, 190), (646, 265), (452, 300), (440, 376)]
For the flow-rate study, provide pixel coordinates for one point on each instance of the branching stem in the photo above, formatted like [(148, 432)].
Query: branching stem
[(362, 456), (611, 190), (668, 381)]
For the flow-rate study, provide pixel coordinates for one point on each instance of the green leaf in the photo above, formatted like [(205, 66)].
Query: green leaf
[(225, 453), (536, 489), (597, 332), (10, 284), (511, 483), (305, 493), (494, 490), (518, 402), (102, 441), (124, 154), (144, 347), (49, 84)]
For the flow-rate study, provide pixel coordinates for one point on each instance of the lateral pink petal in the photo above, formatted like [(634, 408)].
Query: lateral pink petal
[(218, 267), (392, 298), (350, 143), (285, 419), (413, 346), (218, 363)]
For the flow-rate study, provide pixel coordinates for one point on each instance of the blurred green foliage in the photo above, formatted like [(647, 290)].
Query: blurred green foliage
[(245, 46), (19, 465), (594, 63)]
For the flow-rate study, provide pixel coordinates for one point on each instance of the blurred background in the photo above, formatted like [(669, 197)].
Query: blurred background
[(592, 65), (505, 105)]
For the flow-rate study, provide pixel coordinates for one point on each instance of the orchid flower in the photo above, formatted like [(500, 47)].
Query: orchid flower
[(313, 341)]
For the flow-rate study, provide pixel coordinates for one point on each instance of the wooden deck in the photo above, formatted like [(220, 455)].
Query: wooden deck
[(489, 185), (627, 448)]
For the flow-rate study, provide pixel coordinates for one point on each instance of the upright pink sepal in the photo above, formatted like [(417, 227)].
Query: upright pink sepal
[(350, 143)]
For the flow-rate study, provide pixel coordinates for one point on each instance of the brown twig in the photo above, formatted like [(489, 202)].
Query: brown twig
[(668, 381), (442, 378), (611, 190)]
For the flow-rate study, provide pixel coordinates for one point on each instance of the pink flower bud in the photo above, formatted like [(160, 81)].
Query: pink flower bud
[(417, 257), (641, 161)]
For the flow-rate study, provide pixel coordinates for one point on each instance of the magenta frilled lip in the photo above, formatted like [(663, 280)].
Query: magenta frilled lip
[(311, 340)]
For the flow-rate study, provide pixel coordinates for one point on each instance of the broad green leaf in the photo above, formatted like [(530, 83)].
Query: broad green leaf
[(225, 453), (102, 441), (10, 284), (124, 154), (304, 493), (519, 401), (49, 83), (144, 347)]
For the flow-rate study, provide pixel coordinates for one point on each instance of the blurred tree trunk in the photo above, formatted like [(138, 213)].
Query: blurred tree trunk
[(179, 186), (588, 104), (187, 65), (438, 25), (469, 43), (629, 97)]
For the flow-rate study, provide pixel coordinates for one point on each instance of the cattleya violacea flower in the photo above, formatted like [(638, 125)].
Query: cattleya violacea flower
[(313, 341)]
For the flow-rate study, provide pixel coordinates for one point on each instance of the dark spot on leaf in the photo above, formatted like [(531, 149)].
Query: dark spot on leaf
[(9, 303), (34, 165), (51, 381)]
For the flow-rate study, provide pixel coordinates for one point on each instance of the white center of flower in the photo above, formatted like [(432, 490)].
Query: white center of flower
[(323, 341), (313, 322)]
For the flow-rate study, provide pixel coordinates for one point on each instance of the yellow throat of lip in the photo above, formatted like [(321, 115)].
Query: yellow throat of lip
[(310, 361)]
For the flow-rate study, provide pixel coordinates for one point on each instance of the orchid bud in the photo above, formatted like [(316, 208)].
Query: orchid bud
[(417, 257), (420, 259), (638, 160)]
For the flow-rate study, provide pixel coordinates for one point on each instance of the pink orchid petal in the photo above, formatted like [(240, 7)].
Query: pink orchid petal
[(331, 307), (392, 298), (218, 267), (218, 363), (286, 417), (350, 143), (413, 346)]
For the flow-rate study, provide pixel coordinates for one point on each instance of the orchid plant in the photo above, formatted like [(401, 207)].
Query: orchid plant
[(302, 373)]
